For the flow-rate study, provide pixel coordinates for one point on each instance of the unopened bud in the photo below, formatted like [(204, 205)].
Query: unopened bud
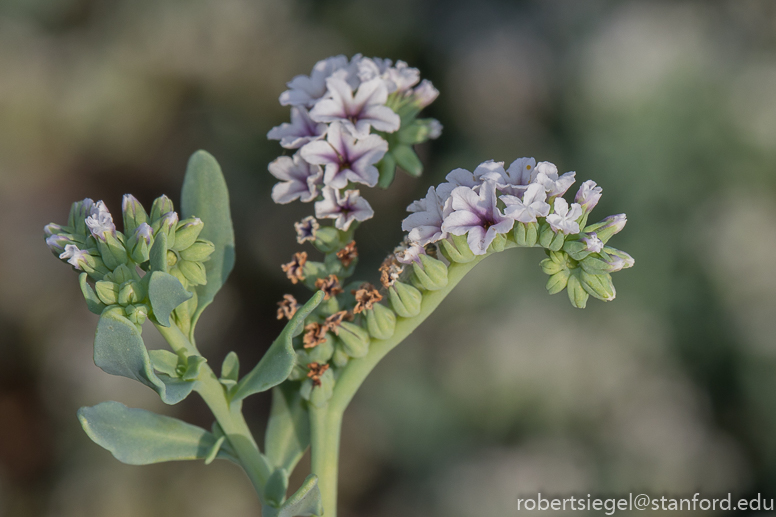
[(618, 259), (137, 314), (526, 234), (107, 292), (161, 206), (57, 243), (608, 227), (380, 321), (499, 243), (194, 272), (112, 251), (139, 244), (55, 229), (133, 213), (458, 250), (200, 251), (577, 294), (318, 393), (558, 281), (130, 292), (599, 286), (167, 225), (355, 340), (327, 239), (79, 211), (340, 357), (405, 299), (431, 275), (187, 233), (425, 93), (588, 196)]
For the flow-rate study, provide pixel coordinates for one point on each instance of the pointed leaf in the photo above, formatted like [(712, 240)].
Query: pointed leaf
[(278, 362), (166, 293), (276, 487), (119, 350), (288, 429), (157, 257), (206, 196), (140, 437), (93, 302), (306, 501)]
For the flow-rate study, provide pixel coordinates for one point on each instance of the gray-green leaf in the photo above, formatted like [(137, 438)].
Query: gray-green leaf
[(288, 429), (306, 501), (119, 350), (206, 196), (165, 293), (278, 362), (139, 437)]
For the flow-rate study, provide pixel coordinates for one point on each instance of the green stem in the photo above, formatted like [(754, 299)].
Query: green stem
[(228, 415), (326, 423)]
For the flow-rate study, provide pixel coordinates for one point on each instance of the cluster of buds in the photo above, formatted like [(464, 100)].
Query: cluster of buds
[(117, 261), (474, 213), (352, 122)]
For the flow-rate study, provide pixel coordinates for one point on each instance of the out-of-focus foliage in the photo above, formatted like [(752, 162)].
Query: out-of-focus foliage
[(670, 107)]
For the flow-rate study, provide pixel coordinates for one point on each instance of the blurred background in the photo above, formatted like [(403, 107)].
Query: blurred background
[(505, 391)]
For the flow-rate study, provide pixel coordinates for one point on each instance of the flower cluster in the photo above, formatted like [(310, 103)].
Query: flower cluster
[(352, 122), (117, 261), (485, 209)]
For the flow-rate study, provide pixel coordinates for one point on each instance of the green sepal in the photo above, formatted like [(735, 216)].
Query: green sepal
[(499, 243), (550, 267), (211, 455), (576, 249), (558, 281), (278, 362), (328, 239), (380, 321), (187, 232), (599, 286), (107, 292), (157, 257), (165, 293), (340, 357), (276, 487), (526, 234), (594, 265), (387, 170), (159, 207), (230, 370), (93, 302), (195, 272), (119, 350), (407, 159), (140, 437), (200, 251), (305, 502), (431, 275), (318, 396), (288, 429), (546, 235), (458, 250), (354, 339), (577, 294), (318, 354), (405, 299), (205, 195), (164, 361)]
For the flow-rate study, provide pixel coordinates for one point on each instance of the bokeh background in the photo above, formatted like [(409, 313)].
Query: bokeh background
[(670, 106)]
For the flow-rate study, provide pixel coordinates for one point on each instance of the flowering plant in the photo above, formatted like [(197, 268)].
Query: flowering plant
[(353, 121)]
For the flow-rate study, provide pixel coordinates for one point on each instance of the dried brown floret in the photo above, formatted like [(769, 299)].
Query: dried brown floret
[(315, 372), (390, 270), (348, 254), (314, 335), (366, 296), (287, 307), (294, 268), (329, 285), (332, 323)]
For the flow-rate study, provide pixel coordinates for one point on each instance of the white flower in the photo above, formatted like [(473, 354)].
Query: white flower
[(299, 179), (301, 130), (434, 129), (425, 225), (592, 242), (425, 93), (360, 112), (345, 158), (100, 221), (74, 256), (399, 78), (588, 195), (513, 180), (532, 205), (306, 90), (409, 253), (457, 178), (306, 229), (564, 219), (344, 208), (547, 175), (476, 215)]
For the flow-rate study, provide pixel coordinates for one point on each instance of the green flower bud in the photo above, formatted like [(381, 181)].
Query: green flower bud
[(599, 286), (137, 314), (79, 211), (320, 353), (133, 212), (549, 239), (200, 251), (327, 239), (432, 275), (131, 292), (405, 299), (576, 248), (457, 250), (595, 265), (187, 233), (608, 227), (340, 358), (499, 243), (167, 225), (526, 234), (112, 251), (354, 339), (557, 282), (318, 395), (300, 368), (107, 292), (193, 271), (161, 206), (139, 244), (551, 267), (380, 321), (577, 294)]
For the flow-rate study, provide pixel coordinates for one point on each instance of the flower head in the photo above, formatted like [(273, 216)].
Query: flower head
[(299, 179), (564, 218), (57, 243), (588, 195), (425, 93), (531, 206), (547, 175), (360, 112), (457, 178), (476, 215), (305, 90), (299, 131), (425, 224), (344, 208), (74, 256), (345, 158), (306, 229)]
